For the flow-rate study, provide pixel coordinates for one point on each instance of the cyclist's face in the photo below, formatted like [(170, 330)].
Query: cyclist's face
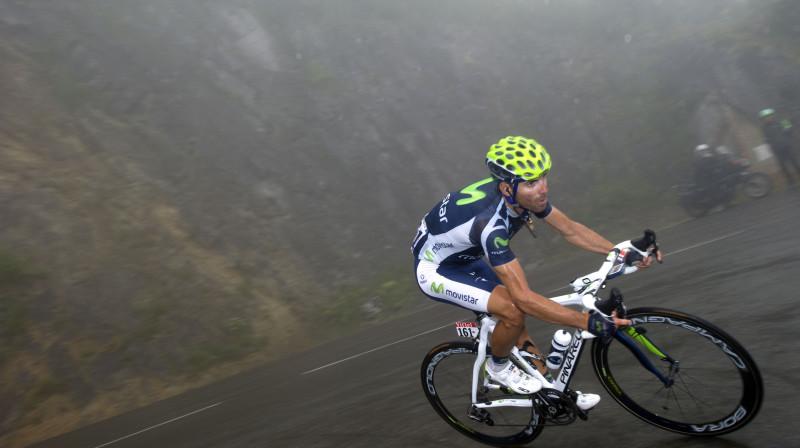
[(532, 194)]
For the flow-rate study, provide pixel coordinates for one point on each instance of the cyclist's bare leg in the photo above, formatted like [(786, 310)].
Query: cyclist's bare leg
[(510, 322), (510, 329), (531, 348)]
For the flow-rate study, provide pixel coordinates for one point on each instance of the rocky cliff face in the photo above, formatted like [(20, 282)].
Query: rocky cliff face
[(185, 184)]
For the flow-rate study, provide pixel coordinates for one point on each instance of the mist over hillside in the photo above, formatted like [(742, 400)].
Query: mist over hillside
[(188, 185)]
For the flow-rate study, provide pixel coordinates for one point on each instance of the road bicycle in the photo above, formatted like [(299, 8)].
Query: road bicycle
[(669, 368)]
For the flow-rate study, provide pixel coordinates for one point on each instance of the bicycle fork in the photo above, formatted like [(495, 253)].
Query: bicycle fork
[(627, 337)]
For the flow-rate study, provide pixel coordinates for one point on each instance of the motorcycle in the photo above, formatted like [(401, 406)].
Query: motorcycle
[(730, 172)]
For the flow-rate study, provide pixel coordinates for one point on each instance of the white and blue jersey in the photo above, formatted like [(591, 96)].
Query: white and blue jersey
[(455, 236)]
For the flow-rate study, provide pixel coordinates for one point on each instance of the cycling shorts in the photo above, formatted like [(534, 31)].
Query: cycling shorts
[(467, 286)]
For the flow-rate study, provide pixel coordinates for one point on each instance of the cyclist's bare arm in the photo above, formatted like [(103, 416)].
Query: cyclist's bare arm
[(581, 236), (531, 303), (577, 234)]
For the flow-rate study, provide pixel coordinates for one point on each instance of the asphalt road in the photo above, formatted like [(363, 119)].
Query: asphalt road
[(739, 268)]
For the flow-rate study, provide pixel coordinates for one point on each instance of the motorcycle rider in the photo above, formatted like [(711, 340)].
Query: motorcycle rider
[(706, 167), (778, 135)]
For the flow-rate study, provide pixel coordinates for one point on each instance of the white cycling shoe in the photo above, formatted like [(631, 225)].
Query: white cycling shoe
[(513, 378), (586, 401)]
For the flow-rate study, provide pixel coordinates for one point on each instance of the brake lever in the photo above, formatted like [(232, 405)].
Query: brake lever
[(612, 303), (644, 243), (655, 253)]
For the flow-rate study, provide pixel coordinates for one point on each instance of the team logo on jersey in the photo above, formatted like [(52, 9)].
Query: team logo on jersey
[(500, 242), (473, 192)]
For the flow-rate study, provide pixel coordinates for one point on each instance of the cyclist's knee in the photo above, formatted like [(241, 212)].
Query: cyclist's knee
[(501, 306)]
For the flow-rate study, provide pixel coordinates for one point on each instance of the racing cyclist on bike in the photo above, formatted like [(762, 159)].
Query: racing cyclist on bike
[(462, 257)]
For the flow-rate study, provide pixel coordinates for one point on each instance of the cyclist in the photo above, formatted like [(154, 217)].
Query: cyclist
[(462, 257)]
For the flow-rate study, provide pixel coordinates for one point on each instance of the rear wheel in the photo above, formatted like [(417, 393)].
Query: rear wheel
[(704, 383), (447, 382), (695, 209)]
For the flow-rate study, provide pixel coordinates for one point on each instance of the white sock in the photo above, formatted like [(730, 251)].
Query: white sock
[(497, 367)]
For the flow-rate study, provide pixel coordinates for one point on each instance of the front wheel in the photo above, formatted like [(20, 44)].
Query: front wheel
[(680, 373), (691, 199), (757, 185), (447, 372)]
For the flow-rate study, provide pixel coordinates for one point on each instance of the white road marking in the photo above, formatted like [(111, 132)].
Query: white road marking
[(379, 348), (160, 424), (706, 242)]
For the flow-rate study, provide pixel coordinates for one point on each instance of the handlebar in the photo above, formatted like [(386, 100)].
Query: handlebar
[(645, 242), (588, 285)]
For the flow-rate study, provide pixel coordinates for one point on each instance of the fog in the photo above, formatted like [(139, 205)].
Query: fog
[(188, 185)]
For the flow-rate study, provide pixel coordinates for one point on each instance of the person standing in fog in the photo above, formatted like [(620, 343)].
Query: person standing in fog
[(778, 135)]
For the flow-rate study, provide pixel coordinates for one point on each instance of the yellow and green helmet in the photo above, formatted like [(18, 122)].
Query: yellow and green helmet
[(514, 159)]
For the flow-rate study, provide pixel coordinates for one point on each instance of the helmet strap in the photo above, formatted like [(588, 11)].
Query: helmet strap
[(526, 214), (511, 200)]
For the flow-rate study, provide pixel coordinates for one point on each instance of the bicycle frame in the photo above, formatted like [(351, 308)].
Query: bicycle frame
[(571, 356), (587, 288)]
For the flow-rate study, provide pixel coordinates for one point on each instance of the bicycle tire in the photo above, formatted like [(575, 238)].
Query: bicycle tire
[(717, 389), (447, 380)]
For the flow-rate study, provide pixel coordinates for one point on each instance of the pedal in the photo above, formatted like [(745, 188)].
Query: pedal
[(573, 398), (480, 415)]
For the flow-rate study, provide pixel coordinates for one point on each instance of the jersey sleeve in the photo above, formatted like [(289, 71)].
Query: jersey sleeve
[(543, 214), (496, 246)]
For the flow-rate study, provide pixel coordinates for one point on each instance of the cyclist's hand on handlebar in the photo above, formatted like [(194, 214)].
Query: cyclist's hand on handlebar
[(647, 247), (642, 262), (604, 326), (629, 260), (638, 253)]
